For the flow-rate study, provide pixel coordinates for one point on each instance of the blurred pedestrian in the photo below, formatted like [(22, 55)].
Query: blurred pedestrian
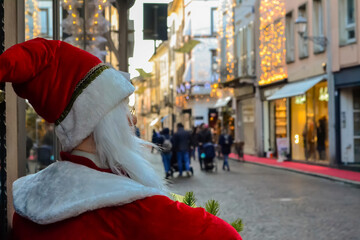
[(165, 142), (225, 141), (154, 139), (193, 143), (137, 132), (103, 187), (181, 141), (204, 137), (29, 146)]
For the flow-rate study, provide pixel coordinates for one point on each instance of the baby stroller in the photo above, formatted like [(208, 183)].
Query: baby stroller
[(208, 155), (174, 165)]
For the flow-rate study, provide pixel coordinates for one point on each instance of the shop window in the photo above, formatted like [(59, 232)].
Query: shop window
[(38, 19), (347, 21), (40, 139), (309, 124), (356, 109), (298, 127), (303, 43), (278, 123)]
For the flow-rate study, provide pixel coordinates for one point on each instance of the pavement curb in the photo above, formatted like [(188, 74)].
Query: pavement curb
[(353, 183)]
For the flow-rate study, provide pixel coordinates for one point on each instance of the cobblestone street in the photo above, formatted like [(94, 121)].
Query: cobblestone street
[(276, 204)]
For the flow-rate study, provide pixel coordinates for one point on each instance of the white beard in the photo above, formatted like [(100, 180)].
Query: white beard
[(119, 148)]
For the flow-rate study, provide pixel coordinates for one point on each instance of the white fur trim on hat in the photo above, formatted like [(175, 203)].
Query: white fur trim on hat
[(96, 100), (65, 189)]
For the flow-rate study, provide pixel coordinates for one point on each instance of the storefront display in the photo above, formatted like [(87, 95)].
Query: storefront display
[(309, 124), (278, 122)]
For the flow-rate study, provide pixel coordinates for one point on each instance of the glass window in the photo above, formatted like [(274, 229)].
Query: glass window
[(251, 49), (356, 123), (350, 8), (303, 43), (356, 109), (40, 137), (240, 44), (309, 124), (244, 49), (310, 148), (357, 150), (298, 127), (347, 21), (111, 13), (278, 122), (214, 20), (356, 98), (321, 99), (289, 33), (318, 24)]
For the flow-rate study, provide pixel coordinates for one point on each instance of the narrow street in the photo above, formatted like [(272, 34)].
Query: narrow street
[(275, 204)]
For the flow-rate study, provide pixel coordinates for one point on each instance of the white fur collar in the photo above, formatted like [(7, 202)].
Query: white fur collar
[(65, 189)]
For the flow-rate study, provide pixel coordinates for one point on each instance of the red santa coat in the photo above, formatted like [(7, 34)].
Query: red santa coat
[(100, 209)]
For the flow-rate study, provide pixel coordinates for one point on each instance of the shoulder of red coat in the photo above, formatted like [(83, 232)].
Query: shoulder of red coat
[(163, 212)]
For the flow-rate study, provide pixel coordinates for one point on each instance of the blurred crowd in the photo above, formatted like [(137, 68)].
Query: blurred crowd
[(178, 149)]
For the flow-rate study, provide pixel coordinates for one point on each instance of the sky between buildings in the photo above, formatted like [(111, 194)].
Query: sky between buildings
[(143, 49)]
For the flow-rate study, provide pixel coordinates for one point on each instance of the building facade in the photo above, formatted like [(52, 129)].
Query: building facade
[(345, 46), (200, 49), (163, 95), (312, 110), (299, 110), (238, 67)]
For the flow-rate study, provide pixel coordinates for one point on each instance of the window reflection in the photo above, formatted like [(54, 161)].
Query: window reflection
[(40, 143)]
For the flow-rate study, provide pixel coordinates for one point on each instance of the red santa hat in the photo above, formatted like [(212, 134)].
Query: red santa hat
[(65, 85)]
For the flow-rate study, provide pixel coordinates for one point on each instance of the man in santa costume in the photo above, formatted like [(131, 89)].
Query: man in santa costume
[(103, 188)]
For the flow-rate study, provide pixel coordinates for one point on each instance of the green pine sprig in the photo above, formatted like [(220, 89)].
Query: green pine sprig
[(238, 225), (189, 199), (213, 207)]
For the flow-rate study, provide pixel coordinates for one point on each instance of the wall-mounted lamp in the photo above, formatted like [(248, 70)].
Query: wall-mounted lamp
[(301, 25)]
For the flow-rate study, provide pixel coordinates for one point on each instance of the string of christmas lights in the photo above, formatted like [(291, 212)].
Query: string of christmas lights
[(226, 31), (95, 26), (272, 41), (32, 19)]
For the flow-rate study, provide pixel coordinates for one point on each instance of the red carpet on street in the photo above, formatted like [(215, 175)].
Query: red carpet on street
[(303, 167)]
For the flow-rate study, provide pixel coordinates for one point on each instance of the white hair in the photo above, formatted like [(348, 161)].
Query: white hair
[(118, 147)]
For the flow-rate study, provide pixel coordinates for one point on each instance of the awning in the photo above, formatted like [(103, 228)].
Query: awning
[(296, 88), (188, 46), (221, 102), (153, 122), (165, 117)]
